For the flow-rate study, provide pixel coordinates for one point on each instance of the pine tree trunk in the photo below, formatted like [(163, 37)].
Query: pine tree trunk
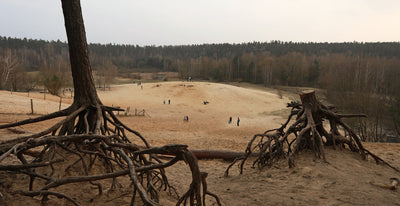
[(84, 88), (91, 129)]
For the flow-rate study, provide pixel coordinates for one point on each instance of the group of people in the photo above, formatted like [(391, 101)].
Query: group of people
[(237, 122), (186, 118)]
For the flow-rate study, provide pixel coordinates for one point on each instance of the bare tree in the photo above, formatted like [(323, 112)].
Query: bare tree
[(105, 73), (8, 64)]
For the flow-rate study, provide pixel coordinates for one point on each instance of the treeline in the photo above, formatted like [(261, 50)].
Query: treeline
[(165, 57), (357, 77)]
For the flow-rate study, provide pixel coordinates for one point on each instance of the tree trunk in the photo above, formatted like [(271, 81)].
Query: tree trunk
[(84, 88), (93, 135)]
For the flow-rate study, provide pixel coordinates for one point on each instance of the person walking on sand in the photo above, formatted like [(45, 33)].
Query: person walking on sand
[(186, 118), (230, 120), (164, 101), (169, 101), (238, 120)]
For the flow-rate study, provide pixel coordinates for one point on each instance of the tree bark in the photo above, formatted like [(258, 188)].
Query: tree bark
[(84, 88)]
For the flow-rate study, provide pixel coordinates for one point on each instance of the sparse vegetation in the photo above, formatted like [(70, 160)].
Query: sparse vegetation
[(53, 84)]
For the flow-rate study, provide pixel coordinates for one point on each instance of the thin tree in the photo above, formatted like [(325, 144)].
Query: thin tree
[(91, 134), (8, 64)]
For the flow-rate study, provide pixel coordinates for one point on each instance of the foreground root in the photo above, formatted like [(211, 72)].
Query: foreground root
[(394, 184), (89, 138), (306, 131)]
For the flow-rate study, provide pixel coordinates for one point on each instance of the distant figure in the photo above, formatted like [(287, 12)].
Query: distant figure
[(169, 101), (186, 118), (205, 102), (164, 101), (230, 120), (189, 79), (238, 120)]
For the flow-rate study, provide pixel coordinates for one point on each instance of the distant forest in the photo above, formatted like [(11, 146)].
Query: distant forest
[(357, 76)]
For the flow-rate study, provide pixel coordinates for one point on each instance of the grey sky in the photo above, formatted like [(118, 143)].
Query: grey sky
[(176, 22)]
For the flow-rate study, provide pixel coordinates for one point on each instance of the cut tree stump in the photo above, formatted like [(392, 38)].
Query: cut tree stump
[(306, 131)]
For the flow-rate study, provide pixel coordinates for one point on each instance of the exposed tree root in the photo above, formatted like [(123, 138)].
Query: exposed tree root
[(306, 132), (90, 144), (46, 193), (394, 183), (205, 191), (200, 154), (92, 137)]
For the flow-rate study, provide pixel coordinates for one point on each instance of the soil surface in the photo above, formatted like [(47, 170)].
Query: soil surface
[(344, 180)]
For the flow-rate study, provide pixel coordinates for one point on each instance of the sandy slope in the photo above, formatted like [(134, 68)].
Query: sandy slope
[(344, 181), (166, 124)]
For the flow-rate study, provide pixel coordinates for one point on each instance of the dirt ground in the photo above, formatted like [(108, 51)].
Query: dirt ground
[(344, 180)]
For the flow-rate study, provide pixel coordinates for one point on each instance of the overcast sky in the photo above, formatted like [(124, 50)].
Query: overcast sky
[(177, 22)]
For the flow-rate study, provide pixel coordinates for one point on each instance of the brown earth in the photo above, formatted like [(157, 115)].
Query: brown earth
[(345, 180)]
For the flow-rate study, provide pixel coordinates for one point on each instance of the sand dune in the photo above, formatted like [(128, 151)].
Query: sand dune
[(345, 180)]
